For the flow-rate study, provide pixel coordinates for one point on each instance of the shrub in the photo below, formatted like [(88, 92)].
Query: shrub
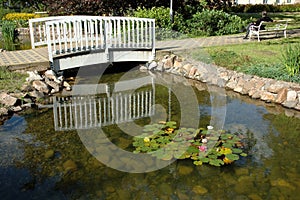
[(214, 22), (164, 27), (291, 59), (21, 19)]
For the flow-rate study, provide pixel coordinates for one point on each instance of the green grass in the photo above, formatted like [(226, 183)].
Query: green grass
[(263, 58), (11, 81)]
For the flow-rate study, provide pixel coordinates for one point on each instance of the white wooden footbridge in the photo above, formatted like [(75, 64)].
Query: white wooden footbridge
[(75, 41)]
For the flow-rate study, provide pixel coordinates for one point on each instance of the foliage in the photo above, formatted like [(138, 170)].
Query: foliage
[(9, 33), (21, 19), (165, 141), (164, 26), (214, 22), (291, 59), (253, 8)]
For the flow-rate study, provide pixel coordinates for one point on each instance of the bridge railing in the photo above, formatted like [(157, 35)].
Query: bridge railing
[(76, 34), (37, 27)]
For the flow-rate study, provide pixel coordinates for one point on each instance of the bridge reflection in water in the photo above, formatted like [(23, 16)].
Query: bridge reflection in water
[(85, 110)]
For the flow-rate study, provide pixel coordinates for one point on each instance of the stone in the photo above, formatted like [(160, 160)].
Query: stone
[(3, 111), (151, 66), (290, 104), (177, 64), (54, 85), (168, 62), (143, 68), (16, 108), (67, 86), (185, 170), (37, 94), (69, 166), (245, 185), (241, 171), (282, 183), (33, 75), (276, 87), (50, 74), (268, 96), (193, 71), (49, 154), (187, 68), (291, 95), (281, 95), (26, 88), (7, 99), (40, 86), (198, 189)]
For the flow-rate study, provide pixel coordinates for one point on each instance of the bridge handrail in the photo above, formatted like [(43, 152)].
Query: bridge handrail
[(72, 34)]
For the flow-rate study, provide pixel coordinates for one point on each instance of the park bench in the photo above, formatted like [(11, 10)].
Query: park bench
[(275, 26)]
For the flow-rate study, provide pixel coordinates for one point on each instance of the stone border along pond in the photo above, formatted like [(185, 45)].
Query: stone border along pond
[(268, 90)]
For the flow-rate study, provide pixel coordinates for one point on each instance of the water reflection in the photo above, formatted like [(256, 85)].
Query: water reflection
[(102, 108)]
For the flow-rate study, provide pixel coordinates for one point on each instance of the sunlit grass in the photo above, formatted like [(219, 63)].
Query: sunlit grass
[(11, 81)]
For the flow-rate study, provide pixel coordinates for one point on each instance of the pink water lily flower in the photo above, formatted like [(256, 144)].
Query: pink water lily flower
[(202, 148)]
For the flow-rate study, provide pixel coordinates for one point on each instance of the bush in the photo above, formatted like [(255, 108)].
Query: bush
[(21, 19), (214, 22), (161, 16)]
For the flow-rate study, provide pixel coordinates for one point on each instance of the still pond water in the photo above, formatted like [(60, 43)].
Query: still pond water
[(43, 154)]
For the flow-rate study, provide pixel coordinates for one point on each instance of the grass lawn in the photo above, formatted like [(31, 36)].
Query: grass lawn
[(263, 58), (11, 81)]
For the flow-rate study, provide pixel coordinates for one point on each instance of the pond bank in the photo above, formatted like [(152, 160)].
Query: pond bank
[(286, 94)]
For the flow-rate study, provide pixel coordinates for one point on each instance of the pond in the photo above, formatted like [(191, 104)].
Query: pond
[(80, 146)]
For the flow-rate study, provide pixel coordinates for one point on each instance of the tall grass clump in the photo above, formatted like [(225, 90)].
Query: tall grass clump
[(291, 59), (9, 33)]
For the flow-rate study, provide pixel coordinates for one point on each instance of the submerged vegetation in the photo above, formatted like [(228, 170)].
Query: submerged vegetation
[(165, 141)]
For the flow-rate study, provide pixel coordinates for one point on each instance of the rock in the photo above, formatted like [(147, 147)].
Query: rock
[(143, 68), (241, 171), (185, 170), (40, 86), (245, 185), (33, 75), (54, 85), (282, 183), (26, 88), (69, 166), (3, 111), (291, 95), (268, 96), (168, 61), (16, 108), (37, 94), (193, 71), (50, 74), (281, 95), (199, 190), (276, 87), (152, 65), (290, 104), (67, 86), (49, 154), (7, 99), (187, 68), (177, 64)]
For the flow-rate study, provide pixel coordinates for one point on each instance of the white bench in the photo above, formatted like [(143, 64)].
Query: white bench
[(275, 26)]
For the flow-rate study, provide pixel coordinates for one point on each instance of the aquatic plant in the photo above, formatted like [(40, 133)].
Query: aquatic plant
[(165, 141)]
